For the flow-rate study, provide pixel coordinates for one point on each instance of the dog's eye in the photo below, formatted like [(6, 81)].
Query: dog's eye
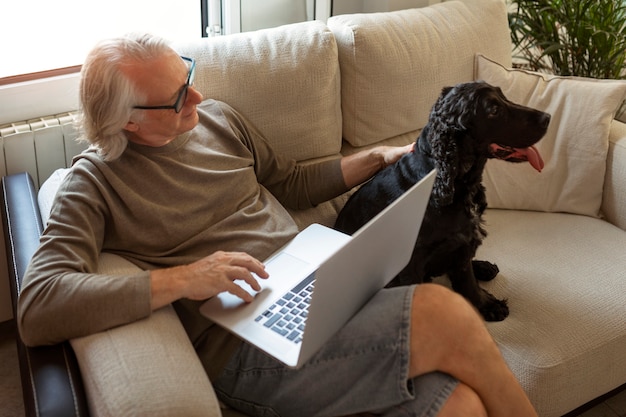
[(493, 110)]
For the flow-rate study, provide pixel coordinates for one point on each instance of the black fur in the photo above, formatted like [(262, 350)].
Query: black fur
[(465, 120)]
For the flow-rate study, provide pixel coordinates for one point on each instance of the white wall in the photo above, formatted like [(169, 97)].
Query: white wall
[(38, 98)]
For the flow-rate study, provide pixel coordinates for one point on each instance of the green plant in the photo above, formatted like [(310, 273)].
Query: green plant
[(586, 38)]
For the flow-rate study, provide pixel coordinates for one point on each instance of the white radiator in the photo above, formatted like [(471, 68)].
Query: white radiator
[(39, 146)]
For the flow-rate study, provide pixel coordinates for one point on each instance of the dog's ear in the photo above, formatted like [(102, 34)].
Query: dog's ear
[(442, 136), (444, 92), (457, 105), (446, 157)]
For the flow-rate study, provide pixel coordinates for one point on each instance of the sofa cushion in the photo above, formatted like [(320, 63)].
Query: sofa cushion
[(285, 80), (47, 191), (394, 65), (574, 148), (614, 196), (563, 275), (148, 367)]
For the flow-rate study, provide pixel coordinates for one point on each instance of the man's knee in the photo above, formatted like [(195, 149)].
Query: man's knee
[(463, 402), (443, 324), (439, 302)]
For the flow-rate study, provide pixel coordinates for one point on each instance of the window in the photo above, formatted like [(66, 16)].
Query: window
[(40, 35), (232, 16), (43, 35), (373, 6)]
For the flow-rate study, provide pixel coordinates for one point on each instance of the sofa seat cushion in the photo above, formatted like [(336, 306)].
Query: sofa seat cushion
[(284, 79), (563, 275), (394, 65)]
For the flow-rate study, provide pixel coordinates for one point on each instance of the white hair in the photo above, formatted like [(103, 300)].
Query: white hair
[(107, 95)]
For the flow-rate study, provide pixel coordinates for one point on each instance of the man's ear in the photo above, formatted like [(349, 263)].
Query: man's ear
[(131, 126)]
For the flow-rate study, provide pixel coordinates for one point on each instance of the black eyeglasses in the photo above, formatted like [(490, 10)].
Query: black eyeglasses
[(182, 95)]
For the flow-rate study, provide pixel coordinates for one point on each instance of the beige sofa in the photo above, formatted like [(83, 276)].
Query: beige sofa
[(317, 90)]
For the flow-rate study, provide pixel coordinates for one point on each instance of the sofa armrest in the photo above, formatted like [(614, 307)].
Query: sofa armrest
[(51, 382), (614, 193), (148, 367)]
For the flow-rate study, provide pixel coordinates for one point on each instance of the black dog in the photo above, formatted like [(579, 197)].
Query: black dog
[(468, 124)]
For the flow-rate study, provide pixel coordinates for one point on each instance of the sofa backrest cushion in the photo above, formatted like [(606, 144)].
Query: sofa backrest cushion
[(284, 79), (394, 64)]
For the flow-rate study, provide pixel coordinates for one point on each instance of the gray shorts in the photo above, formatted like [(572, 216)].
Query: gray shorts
[(364, 367)]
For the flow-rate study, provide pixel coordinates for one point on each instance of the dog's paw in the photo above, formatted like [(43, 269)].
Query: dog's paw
[(493, 309), (484, 271)]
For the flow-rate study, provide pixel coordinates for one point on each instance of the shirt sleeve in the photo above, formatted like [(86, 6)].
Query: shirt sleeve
[(62, 294)]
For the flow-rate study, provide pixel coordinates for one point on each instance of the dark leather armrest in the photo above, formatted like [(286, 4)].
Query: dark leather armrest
[(51, 380)]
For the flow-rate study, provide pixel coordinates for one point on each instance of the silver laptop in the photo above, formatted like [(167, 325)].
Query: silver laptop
[(320, 279)]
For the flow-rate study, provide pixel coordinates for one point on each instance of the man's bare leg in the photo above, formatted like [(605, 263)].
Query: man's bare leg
[(448, 335), (463, 402)]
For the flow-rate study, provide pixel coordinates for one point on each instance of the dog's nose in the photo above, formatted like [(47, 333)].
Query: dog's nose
[(544, 121)]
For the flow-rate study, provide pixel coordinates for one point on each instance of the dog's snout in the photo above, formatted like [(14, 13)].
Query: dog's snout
[(544, 121)]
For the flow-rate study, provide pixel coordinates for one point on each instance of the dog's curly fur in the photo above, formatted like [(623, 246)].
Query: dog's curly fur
[(463, 124)]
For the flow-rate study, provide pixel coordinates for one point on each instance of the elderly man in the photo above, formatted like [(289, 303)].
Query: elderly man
[(191, 192)]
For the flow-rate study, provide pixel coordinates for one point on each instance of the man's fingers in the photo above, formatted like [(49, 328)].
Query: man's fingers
[(221, 270), (250, 263), (253, 283), (241, 293), (244, 274)]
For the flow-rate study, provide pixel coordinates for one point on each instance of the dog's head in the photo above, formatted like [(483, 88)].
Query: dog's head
[(471, 122), (510, 128)]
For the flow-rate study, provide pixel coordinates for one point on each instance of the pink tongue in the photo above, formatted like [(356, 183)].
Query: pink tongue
[(533, 156), (530, 154)]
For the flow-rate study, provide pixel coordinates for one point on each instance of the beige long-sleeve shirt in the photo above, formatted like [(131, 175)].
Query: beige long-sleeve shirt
[(217, 187)]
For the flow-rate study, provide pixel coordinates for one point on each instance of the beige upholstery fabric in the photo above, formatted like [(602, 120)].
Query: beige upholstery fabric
[(47, 191), (146, 368), (394, 65), (285, 80), (574, 148), (325, 213), (614, 197), (564, 277)]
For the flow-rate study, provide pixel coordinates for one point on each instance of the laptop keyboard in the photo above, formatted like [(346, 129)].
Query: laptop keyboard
[(288, 315)]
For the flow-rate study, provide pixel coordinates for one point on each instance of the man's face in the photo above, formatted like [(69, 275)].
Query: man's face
[(161, 81)]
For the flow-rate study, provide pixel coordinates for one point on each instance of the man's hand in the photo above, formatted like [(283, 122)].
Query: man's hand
[(206, 278), (391, 154), (361, 166)]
